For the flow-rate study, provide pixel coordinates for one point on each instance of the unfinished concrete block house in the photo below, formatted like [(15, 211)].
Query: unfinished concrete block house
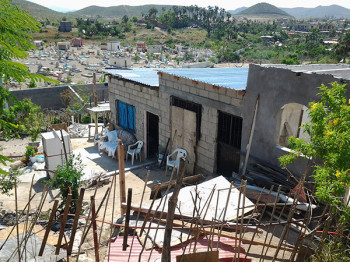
[(209, 112)]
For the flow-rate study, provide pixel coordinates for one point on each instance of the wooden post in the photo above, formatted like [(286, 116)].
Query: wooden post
[(121, 176), (94, 229), (127, 220), (76, 220), (63, 223), (95, 90), (171, 211), (48, 227), (250, 136)]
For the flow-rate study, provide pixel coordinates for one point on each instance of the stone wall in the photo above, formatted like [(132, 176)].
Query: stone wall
[(49, 97)]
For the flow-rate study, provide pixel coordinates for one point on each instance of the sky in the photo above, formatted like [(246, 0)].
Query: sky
[(227, 4)]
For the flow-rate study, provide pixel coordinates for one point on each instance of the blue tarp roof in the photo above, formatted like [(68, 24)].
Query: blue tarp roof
[(144, 76), (233, 78)]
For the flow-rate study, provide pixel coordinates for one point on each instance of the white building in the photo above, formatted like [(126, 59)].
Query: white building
[(113, 46)]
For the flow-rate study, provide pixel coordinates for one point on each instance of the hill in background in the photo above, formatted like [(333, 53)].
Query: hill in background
[(319, 12), (118, 11), (38, 11), (238, 10), (264, 9)]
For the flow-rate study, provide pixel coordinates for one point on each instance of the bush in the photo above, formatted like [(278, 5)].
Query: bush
[(68, 177), (8, 181), (30, 151), (86, 119)]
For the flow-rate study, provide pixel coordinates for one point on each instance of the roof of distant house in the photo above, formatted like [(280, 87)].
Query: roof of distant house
[(233, 78)]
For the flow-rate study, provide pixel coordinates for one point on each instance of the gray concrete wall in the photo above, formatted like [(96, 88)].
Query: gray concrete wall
[(49, 97), (277, 87)]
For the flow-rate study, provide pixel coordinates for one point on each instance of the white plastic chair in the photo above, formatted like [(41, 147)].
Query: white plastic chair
[(134, 149), (180, 153)]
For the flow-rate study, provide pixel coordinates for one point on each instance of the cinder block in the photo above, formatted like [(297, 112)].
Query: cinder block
[(224, 99)]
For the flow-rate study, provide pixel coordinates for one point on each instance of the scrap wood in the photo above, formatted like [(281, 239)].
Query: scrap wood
[(157, 214), (164, 185), (209, 256), (230, 235)]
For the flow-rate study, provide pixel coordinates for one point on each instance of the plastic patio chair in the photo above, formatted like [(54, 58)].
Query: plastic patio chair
[(134, 149), (180, 153)]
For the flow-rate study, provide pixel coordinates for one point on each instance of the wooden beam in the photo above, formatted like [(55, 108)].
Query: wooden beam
[(164, 185), (166, 256), (48, 227)]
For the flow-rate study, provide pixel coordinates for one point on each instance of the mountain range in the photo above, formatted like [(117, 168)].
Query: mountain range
[(263, 9), (335, 11)]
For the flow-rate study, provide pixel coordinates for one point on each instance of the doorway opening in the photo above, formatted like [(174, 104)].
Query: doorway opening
[(229, 144), (152, 135)]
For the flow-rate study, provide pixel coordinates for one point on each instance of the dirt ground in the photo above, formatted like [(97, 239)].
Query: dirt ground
[(135, 179)]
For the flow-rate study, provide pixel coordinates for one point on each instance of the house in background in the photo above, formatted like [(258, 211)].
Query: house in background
[(141, 46), (113, 46), (77, 42), (38, 44), (65, 26), (120, 61), (63, 45)]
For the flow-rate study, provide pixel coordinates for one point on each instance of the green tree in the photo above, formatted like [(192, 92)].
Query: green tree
[(15, 40), (329, 148)]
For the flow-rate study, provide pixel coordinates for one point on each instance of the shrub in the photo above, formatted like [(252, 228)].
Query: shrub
[(8, 181), (68, 177), (30, 151), (86, 119)]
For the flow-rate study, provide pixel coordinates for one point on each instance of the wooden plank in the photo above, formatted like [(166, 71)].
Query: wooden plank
[(127, 220), (164, 185), (94, 229), (48, 227), (63, 223), (76, 220), (171, 213), (252, 128), (210, 256)]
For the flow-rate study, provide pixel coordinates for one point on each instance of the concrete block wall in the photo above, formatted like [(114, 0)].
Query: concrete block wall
[(49, 97), (212, 98), (143, 98)]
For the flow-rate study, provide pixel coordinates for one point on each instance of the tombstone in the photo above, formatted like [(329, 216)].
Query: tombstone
[(57, 64)]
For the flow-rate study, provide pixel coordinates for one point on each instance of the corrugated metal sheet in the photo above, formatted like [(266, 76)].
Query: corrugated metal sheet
[(233, 78), (148, 77), (227, 249)]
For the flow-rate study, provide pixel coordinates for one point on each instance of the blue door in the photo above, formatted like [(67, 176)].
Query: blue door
[(126, 116)]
